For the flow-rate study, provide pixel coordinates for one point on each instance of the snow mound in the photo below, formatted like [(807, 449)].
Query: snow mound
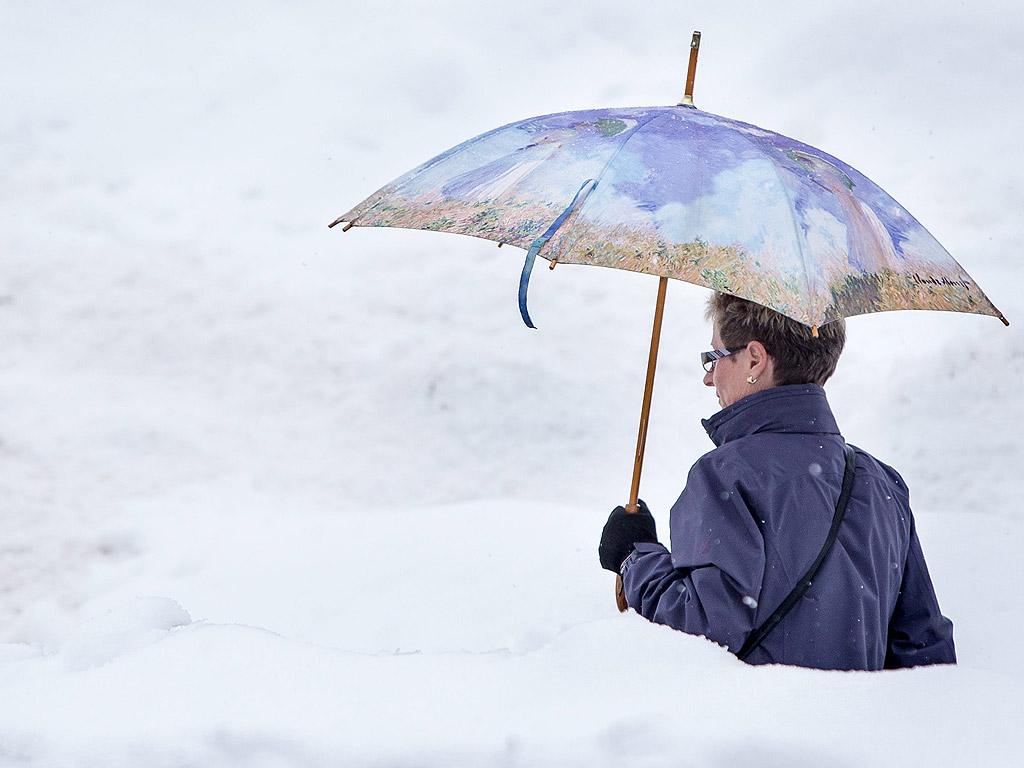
[(120, 631)]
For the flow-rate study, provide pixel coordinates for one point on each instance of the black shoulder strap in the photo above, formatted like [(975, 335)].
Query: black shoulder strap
[(755, 638)]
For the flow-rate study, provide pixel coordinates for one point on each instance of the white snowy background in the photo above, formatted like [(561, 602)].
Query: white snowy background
[(274, 495)]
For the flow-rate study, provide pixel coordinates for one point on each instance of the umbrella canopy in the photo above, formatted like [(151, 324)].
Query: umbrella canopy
[(682, 193)]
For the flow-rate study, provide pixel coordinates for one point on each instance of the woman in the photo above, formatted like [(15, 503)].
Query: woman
[(757, 510)]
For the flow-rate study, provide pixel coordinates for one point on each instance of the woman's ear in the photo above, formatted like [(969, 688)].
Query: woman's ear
[(760, 363)]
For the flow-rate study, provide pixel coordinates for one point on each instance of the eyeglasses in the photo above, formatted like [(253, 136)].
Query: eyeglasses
[(707, 359)]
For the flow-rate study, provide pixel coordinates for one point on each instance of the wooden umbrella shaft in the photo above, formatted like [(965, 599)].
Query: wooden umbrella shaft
[(645, 410)]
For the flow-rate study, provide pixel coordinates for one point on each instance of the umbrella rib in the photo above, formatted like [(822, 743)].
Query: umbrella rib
[(792, 210), (406, 178), (796, 232)]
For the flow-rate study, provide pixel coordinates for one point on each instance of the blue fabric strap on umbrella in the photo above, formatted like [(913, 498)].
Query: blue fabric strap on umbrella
[(531, 255)]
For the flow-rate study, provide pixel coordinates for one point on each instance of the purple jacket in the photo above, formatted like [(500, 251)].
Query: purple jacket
[(754, 515)]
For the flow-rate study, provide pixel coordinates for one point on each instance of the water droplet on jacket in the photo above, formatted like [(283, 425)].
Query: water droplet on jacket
[(814, 469)]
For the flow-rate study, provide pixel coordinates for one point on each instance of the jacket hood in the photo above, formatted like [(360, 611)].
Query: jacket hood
[(793, 409)]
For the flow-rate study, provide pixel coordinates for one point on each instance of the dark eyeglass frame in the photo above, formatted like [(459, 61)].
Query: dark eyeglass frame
[(708, 359)]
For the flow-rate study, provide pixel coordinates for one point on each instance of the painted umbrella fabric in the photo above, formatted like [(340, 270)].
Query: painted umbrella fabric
[(682, 193)]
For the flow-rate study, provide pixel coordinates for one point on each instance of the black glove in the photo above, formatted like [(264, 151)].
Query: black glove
[(622, 532)]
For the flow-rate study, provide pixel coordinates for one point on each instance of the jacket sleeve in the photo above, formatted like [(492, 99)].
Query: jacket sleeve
[(709, 584), (918, 633)]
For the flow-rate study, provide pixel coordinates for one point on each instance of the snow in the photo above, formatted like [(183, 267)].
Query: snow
[(273, 495)]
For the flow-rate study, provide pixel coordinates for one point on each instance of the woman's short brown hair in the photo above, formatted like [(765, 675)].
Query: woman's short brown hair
[(798, 357)]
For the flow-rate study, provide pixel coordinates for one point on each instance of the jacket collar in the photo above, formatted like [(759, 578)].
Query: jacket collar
[(793, 409)]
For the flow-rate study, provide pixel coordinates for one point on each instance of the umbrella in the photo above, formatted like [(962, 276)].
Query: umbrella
[(681, 193)]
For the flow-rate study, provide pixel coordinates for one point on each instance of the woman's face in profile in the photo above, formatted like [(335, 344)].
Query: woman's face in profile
[(728, 375)]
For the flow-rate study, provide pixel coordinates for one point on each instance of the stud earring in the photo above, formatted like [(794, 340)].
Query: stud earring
[(751, 380)]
